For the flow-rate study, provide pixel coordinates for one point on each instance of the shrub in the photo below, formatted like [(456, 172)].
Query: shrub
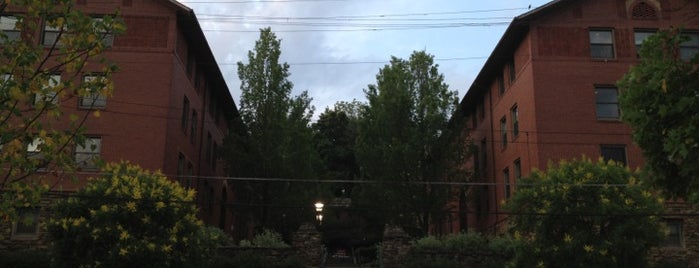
[(584, 213), (25, 259), (251, 258), (428, 243), (268, 239), (461, 250), (130, 217)]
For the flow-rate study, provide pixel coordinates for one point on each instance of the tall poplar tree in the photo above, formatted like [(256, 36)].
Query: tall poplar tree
[(276, 143), (404, 144)]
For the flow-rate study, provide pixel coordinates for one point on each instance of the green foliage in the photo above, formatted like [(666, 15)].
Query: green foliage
[(335, 133), (269, 239), (461, 250), (31, 99), (277, 141), (130, 217), (404, 141), (659, 100), (254, 259), (584, 214), (25, 259)]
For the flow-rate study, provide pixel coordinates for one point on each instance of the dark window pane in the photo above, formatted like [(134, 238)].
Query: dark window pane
[(602, 51), (607, 111), (601, 37), (614, 152)]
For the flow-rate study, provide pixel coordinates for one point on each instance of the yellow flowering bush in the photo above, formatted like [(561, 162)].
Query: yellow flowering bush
[(584, 214), (130, 217)]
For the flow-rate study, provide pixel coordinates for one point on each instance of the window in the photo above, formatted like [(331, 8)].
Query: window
[(607, 103), (214, 155), (474, 120), (484, 156), (8, 25), (193, 128), (49, 94), (5, 81), (518, 171), (514, 113), (506, 180), (191, 62), (87, 155), (614, 152), (185, 114), (481, 109), (52, 33), (107, 38), (27, 224), (601, 44), (501, 84), (690, 47), (34, 148), (639, 37), (674, 233), (511, 68), (94, 98), (180, 167), (477, 162), (188, 178), (208, 146), (503, 131)]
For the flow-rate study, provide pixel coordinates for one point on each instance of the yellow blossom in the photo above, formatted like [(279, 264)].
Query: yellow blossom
[(159, 205), (567, 238), (124, 235), (123, 252), (167, 248), (131, 206), (588, 248)]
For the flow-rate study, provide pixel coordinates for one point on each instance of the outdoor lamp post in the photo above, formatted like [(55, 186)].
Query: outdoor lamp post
[(319, 211)]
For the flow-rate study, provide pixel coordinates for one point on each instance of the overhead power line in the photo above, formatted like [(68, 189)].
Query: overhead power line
[(370, 22), (260, 1), (363, 62), (345, 17)]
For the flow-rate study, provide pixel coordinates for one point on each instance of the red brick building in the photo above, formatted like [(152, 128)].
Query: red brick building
[(170, 108), (547, 92)]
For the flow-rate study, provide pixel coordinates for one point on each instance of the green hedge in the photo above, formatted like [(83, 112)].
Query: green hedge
[(461, 250)]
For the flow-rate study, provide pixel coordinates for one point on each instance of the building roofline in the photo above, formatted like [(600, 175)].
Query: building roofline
[(190, 26), (515, 32)]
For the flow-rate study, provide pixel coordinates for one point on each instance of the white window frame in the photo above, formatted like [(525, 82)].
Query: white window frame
[(86, 155), (598, 41), (640, 36), (689, 48), (669, 241), (8, 25), (107, 38), (601, 103), (93, 100), (49, 96), (18, 232)]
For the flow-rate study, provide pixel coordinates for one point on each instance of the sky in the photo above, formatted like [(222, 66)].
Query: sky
[(335, 48)]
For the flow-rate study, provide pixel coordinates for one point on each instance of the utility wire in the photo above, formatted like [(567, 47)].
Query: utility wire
[(361, 208)]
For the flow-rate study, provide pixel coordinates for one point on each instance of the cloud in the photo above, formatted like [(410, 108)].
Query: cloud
[(328, 82)]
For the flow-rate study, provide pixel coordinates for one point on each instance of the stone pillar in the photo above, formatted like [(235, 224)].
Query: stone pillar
[(306, 241), (395, 246)]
